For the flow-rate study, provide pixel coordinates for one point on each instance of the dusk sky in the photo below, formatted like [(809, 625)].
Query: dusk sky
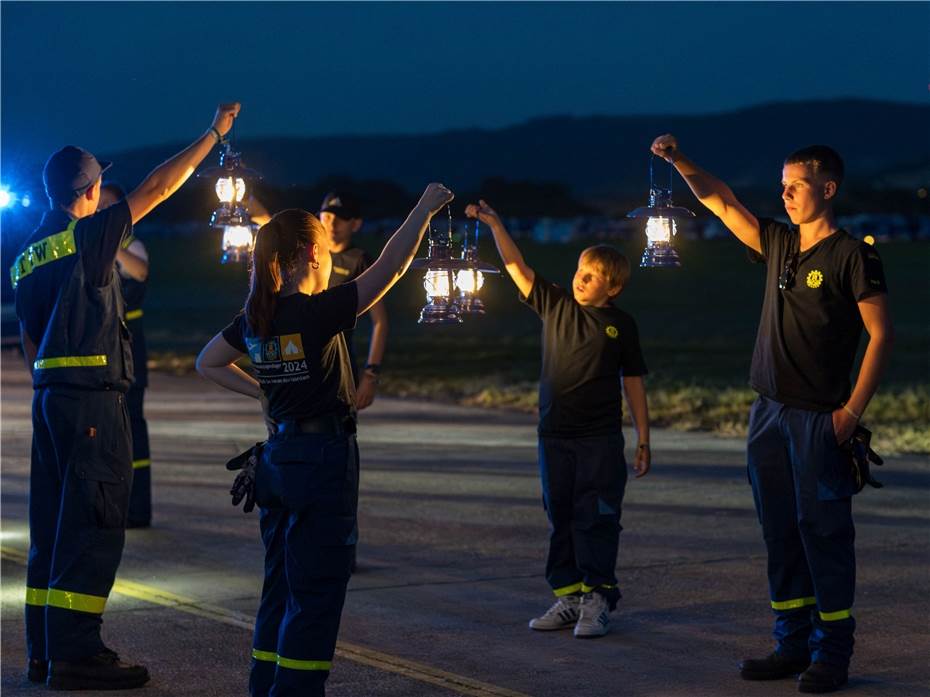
[(116, 75)]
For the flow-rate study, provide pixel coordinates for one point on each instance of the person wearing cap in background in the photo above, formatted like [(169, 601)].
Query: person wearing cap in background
[(341, 215), (132, 263), (77, 347)]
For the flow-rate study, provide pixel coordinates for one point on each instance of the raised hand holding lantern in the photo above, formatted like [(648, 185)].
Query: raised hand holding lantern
[(661, 227)]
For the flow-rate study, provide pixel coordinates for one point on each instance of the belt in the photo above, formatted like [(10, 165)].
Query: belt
[(329, 424)]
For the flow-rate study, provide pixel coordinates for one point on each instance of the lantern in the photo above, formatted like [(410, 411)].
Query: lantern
[(451, 283), (439, 280), (470, 279), (231, 214), (661, 227)]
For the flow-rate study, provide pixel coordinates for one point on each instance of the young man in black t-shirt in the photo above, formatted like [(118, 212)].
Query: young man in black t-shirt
[(341, 215), (590, 354), (822, 286)]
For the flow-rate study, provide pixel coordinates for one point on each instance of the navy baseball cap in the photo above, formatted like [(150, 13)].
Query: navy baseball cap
[(342, 204), (70, 171)]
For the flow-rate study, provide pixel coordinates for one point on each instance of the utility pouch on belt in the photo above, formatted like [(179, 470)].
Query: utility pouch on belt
[(861, 456)]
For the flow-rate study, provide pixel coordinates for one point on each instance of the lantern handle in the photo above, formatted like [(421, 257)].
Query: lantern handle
[(652, 159)]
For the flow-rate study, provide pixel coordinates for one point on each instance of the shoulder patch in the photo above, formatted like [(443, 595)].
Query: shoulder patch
[(612, 331)]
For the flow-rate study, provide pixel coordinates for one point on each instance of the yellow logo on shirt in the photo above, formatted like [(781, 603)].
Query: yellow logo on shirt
[(292, 348), (814, 279), (612, 331), (341, 271)]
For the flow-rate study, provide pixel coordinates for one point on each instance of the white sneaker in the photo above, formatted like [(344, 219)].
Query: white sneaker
[(564, 613), (594, 619)]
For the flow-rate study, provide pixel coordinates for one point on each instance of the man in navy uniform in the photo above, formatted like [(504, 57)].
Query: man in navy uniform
[(77, 347)]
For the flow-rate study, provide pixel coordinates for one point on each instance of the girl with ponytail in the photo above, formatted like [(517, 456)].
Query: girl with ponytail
[(306, 481)]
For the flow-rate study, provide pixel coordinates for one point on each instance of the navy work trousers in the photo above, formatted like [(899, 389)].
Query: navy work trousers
[(583, 481), (802, 485), (140, 500), (307, 488), (78, 497)]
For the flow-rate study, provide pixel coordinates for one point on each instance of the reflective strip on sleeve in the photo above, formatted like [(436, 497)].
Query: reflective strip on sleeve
[(567, 590), (139, 464), (793, 604), (585, 588), (45, 251), (36, 596), (128, 240), (133, 314), (269, 656), (835, 616), (295, 664), (70, 362), (68, 600)]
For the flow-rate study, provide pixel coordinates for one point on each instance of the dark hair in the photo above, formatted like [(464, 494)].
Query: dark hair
[(822, 159), (276, 259)]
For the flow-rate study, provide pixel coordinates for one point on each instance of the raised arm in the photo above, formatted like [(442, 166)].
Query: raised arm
[(522, 275), (168, 177), (712, 192), (397, 254)]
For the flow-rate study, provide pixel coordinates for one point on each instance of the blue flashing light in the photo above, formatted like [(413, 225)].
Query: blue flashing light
[(6, 198), (25, 201)]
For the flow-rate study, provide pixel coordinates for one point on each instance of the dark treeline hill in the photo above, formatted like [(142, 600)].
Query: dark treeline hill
[(566, 166)]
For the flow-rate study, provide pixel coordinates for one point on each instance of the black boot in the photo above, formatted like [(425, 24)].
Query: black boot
[(103, 671), (38, 670), (822, 677), (772, 667)]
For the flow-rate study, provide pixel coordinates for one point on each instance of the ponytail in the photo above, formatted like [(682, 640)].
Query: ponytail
[(265, 281), (276, 259)]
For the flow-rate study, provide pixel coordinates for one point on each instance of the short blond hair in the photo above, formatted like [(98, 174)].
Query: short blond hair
[(610, 263)]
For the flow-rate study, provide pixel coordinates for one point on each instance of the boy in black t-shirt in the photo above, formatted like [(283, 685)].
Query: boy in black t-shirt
[(822, 286), (590, 353)]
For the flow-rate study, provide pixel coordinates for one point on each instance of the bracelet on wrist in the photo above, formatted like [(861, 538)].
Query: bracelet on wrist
[(373, 368), (216, 134), (851, 412), (643, 445)]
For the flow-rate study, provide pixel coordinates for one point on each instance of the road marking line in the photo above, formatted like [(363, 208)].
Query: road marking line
[(352, 652)]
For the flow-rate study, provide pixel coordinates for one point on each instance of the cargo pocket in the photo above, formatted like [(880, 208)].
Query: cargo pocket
[(106, 481), (308, 470), (835, 478)]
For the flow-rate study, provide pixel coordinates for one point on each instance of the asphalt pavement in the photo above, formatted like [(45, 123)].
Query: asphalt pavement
[(453, 541)]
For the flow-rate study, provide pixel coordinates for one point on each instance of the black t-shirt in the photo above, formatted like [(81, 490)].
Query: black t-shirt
[(808, 334), (586, 350), (303, 367), (96, 238), (347, 266)]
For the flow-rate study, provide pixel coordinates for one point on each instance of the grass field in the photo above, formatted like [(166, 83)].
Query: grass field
[(697, 326)]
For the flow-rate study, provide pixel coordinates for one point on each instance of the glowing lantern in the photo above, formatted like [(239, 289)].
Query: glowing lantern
[(661, 227), (231, 215), (451, 283)]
